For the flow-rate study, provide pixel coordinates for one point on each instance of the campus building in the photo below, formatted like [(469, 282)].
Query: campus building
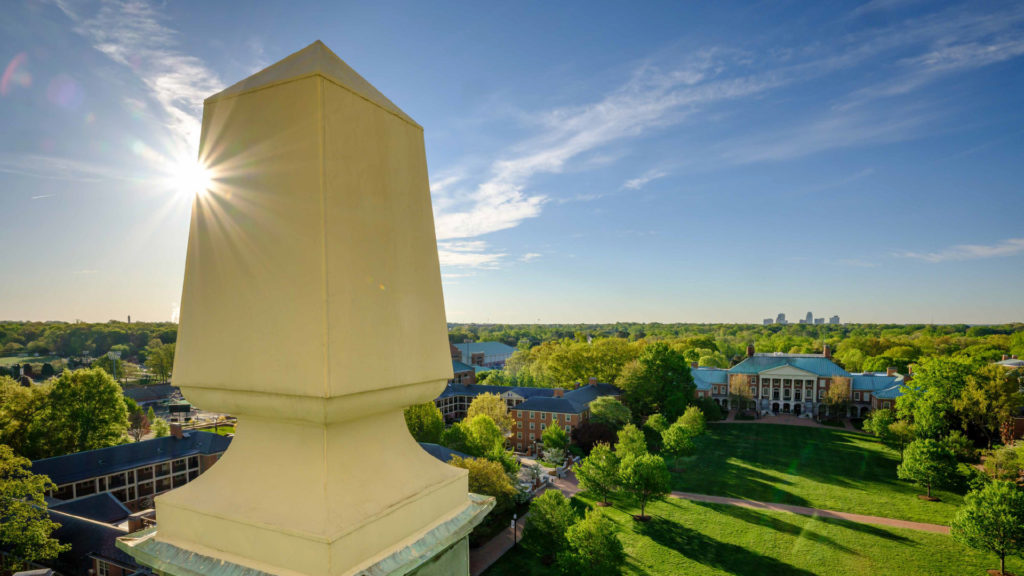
[(489, 355), (136, 472), (532, 409), (797, 384)]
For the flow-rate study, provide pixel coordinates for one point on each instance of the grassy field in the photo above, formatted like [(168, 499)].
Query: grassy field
[(11, 360), (693, 538), (816, 467)]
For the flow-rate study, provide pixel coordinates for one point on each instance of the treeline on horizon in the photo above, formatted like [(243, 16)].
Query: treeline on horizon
[(557, 355), (858, 347)]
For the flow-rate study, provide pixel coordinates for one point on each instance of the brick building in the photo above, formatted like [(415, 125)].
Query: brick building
[(136, 472), (490, 355), (567, 409)]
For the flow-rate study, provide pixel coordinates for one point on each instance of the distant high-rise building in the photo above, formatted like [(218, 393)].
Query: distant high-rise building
[(768, 321), (781, 319), (834, 319), (819, 320), (809, 319)]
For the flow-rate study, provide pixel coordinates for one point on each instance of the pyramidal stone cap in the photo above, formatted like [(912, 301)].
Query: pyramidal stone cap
[(313, 60)]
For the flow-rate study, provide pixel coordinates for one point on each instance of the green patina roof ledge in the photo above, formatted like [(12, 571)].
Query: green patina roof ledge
[(174, 561)]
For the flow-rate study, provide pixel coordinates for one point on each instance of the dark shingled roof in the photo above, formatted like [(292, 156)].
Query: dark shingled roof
[(142, 394), (574, 401), (475, 389), (92, 463), (102, 507), (87, 538), (442, 453)]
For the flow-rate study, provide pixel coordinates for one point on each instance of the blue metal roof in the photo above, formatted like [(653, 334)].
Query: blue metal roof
[(87, 538), (461, 367), (871, 381), (813, 363), (488, 348), (890, 393), (93, 463), (704, 377)]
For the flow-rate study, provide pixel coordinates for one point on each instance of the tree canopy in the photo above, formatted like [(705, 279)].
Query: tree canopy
[(992, 519), (928, 463), (658, 381), (608, 410), (599, 472), (425, 422), (645, 477), (493, 406), (544, 532), (25, 527)]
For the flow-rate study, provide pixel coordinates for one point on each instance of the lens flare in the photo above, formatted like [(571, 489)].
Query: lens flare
[(192, 178)]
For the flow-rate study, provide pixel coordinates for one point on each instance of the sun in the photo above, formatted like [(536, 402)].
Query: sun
[(191, 178)]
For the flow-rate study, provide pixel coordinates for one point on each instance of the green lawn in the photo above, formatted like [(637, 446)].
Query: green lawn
[(694, 538), (223, 429), (816, 467), (11, 360)]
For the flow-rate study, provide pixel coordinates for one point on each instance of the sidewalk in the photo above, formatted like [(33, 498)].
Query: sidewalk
[(805, 511)]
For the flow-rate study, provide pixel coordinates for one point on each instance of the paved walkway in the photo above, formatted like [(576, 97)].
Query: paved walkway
[(805, 511)]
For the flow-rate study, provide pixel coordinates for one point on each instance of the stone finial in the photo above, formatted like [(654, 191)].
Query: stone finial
[(312, 310)]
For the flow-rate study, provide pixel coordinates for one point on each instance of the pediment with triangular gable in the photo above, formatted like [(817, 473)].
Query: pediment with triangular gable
[(787, 371)]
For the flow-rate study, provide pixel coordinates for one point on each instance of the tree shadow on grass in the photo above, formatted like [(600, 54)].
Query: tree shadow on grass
[(714, 553), (762, 519), (869, 529)]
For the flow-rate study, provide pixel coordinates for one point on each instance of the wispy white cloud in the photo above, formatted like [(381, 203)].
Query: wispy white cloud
[(58, 168), (132, 33), (529, 257), (641, 181), (652, 99), (468, 254), (41, 196), (1008, 247)]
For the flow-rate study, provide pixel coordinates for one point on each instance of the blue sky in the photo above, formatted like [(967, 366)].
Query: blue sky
[(589, 162)]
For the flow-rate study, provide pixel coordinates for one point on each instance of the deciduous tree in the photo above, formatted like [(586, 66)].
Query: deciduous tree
[(160, 428), (493, 406), (631, 442), (991, 397), (658, 381), (593, 547), (599, 472), (425, 422), (928, 463), (608, 410), (544, 532), (646, 478), (487, 477), (555, 441), (992, 519), (86, 411), (25, 527)]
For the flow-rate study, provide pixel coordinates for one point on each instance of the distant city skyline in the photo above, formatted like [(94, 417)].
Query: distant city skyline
[(659, 162)]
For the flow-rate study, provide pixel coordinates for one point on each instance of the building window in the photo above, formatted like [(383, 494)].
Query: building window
[(775, 394), (821, 393), (102, 569), (519, 414), (531, 428), (542, 426), (531, 416), (796, 395), (753, 391), (519, 424), (543, 415), (764, 392), (886, 404), (856, 396), (531, 436), (568, 429), (519, 435)]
